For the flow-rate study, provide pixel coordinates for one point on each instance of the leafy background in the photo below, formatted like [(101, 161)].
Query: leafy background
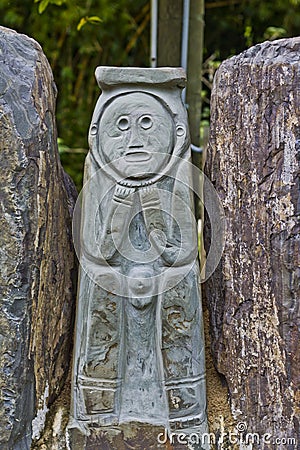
[(77, 36)]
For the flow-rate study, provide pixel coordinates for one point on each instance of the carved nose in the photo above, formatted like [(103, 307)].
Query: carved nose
[(135, 140)]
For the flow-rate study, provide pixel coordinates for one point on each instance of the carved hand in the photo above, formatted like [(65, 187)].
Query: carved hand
[(116, 221)]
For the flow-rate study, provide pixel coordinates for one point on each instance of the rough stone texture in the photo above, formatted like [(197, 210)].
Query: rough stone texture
[(253, 297), (36, 254), (139, 346)]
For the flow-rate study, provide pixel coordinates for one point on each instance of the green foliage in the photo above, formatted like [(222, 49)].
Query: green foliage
[(84, 20), (233, 25), (272, 33), (77, 36), (44, 3), (248, 35), (73, 161)]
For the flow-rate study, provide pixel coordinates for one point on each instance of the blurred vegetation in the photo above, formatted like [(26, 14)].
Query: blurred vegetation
[(77, 36), (232, 26)]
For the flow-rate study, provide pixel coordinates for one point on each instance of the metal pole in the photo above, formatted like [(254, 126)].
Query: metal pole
[(185, 40), (184, 53), (154, 27), (185, 34)]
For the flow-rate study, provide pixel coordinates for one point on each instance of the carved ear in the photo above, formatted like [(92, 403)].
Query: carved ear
[(94, 129), (180, 131)]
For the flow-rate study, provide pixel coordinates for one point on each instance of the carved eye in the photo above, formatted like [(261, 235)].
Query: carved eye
[(146, 122), (123, 123)]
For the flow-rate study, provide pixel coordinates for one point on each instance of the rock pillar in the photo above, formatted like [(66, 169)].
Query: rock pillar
[(36, 254), (253, 297)]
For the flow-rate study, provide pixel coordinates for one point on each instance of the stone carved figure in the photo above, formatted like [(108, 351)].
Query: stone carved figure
[(139, 348)]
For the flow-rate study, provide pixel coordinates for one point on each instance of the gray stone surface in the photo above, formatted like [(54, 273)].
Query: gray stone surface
[(253, 297), (139, 350), (36, 255)]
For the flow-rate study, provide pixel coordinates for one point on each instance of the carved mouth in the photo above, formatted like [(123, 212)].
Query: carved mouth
[(137, 156)]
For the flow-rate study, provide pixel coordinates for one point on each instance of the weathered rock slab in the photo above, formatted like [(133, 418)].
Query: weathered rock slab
[(36, 254), (253, 297)]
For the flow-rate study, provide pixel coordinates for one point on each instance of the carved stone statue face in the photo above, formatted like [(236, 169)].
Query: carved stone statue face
[(138, 128)]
